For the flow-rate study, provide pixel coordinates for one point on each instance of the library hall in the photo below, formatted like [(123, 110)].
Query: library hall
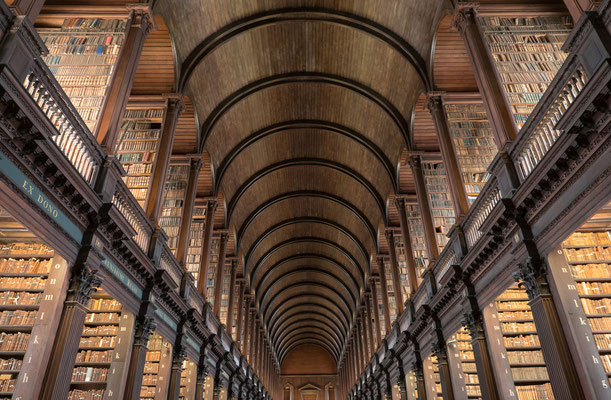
[(305, 200)]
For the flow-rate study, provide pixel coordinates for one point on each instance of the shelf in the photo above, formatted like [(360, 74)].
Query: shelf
[(530, 381), (92, 364), (20, 256), (588, 262), (598, 315), (21, 290), (12, 353), (586, 246), (519, 333), (23, 275), (592, 279), (25, 307), (526, 365), (16, 328), (97, 348)]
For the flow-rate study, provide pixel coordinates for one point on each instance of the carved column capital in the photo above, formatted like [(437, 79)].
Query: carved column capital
[(144, 327), (176, 102), (439, 349), (531, 276), (142, 17), (434, 102), (180, 352), (84, 284), (474, 323), (211, 205), (390, 234), (465, 15)]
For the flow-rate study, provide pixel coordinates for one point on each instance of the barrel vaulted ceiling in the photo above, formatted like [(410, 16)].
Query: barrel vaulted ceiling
[(304, 110)]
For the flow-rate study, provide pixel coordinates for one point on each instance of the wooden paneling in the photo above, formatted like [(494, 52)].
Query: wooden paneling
[(308, 360)]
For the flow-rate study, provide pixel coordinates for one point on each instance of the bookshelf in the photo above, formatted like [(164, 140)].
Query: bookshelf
[(194, 252), (442, 208), (460, 352), (174, 200), (522, 345), (378, 303), (588, 254), (225, 283), (156, 369), (187, 380), (411, 385), (103, 341), (527, 54), (137, 148), (82, 56), (392, 301), (402, 261), (432, 378), (234, 327), (416, 232), (473, 143), (212, 264)]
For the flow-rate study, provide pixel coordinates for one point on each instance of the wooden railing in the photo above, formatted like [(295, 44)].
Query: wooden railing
[(73, 137), (539, 133), (131, 210), (481, 209)]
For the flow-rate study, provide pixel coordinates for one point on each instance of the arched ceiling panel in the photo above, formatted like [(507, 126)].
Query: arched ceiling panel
[(301, 304)]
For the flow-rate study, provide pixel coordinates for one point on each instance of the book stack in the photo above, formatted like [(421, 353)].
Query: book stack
[(402, 261), (433, 379), (212, 265), (416, 232), (461, 343), (527, 53), (522, 345), (82, 56), (158, 358), (473, 143), (194, 253), (173, 203), (24, 271), (589, 257), (440, 200), (137, 148), (96, 348)]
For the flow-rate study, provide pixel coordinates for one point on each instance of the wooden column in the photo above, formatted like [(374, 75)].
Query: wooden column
[(244, 348), (448, 153), (372, 346), (384, 294), (240, 316), (439, 348), (485, 370), (31, 8), (489, 83), (252, 337), (425, 209), (220, 271), (111, 115), (184, 233), (394, 268), (229, 320), (554, 345), (178, 356), (376, 310), (412, 274), (156, 196), (366, 355), (144, 326), (359, 344), (56, 383), (206, 242)]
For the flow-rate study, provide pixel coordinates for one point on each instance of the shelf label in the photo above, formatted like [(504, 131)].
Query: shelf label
[(36, 195), (122, 277)]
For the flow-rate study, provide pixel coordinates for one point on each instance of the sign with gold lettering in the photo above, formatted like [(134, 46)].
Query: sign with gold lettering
[(14, 174)]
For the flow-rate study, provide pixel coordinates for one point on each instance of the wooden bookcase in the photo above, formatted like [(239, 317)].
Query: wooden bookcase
[(440, 200), (411, 385), (105, 342), (174, 201), (462, 365), (188, 379), (392, 300), (194, 253), (32, 286), (82, 56), (521, 345), (225, 283), (473, 143), (157, 368), (527, 54), (137, 148), (212, 265), (432, 378), (416, 232), (402, 261)]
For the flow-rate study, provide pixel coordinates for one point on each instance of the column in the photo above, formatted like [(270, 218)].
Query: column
[(142, 21), (251, 346), (448, 153), (577, 7), (372, 346), (57, 379), (407, 244), (31, 8), (184, 234), (384, 294), (238, 338), (440, 351), (244, 347), (376, 310), (498, 109), (396, 278), (174, 107), (366, 354), (229, 321), (203, 269), (554, 345), (202, 373), (425, 209), (178, 356), (359, 344), (485, 370), (220, 271), (145, 325)]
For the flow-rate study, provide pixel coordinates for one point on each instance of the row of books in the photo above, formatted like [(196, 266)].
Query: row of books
[(34, 283), (516, 315), (17, 317), (100, 330), (14, 341), (30, 249), (102, 317), (598, 253), (529, 373), (7, 383), (89, 374), (94, 24), (521, 341), (535, 392), (70, 39), (25, 266), (11, 364), (81, 59), (104, 305), (588, 239), (525, 357), (98, 341), (596, 306), (77, 394), (94, 356)]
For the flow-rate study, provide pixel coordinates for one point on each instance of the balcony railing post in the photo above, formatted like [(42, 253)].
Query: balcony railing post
[(20, 47), (590, 40)]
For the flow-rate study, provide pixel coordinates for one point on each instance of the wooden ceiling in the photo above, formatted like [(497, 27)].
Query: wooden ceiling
[(304, 110)]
